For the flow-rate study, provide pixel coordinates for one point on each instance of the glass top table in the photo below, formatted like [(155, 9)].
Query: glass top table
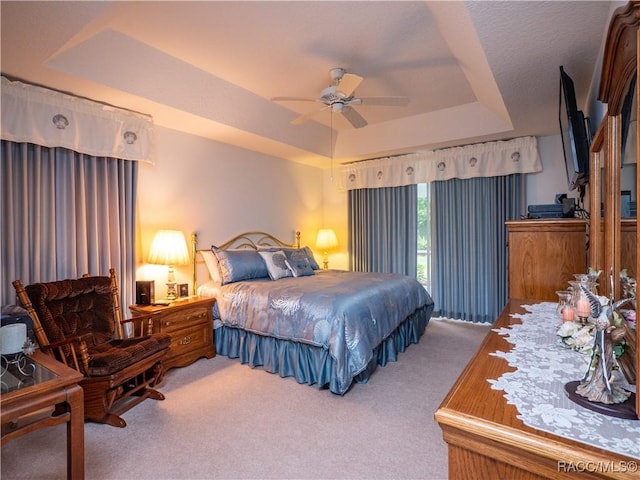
[(38, 383), (21, 371)]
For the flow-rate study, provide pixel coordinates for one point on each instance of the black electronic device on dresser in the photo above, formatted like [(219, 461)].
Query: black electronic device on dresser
[(565, 208), (145, 292)]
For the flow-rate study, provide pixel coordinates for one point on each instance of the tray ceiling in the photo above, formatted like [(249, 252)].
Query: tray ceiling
[(474, 71)]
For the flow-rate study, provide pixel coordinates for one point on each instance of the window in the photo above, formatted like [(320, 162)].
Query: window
[(424, 235)]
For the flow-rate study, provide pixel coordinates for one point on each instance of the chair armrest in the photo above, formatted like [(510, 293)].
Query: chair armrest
[(71, 341), (72, 351), (146, 324)]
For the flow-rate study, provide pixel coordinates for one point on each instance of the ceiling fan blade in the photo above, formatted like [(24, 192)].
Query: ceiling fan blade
[(383, 101), (293, 99), (353, 117), (348, 83), (307, 116)]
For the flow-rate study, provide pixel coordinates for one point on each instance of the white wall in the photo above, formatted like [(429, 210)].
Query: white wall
[(542, 187), (218, 191), (336, 216)]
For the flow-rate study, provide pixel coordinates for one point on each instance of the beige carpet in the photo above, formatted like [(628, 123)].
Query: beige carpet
[(223, 420)]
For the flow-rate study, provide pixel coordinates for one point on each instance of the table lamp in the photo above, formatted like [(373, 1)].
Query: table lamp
[(325, 241), (169, 247)]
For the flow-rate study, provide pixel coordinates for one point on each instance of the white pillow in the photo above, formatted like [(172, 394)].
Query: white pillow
[(276, 263), (212, 265)]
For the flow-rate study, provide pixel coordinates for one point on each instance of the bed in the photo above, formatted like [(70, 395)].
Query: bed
[(277, 310)]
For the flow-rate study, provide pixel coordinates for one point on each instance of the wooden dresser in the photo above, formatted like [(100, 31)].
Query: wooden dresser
[(544, 255), (487, 441)]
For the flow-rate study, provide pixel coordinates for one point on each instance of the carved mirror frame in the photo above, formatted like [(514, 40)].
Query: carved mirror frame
[(607, 243)]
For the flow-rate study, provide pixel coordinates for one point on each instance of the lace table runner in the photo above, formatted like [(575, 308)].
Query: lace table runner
[(543, 366)]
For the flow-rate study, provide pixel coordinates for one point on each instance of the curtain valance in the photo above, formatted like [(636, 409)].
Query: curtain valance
[(492, 159), (53, 119)]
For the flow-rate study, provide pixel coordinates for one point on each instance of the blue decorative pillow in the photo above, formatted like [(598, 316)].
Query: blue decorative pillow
[(237, 265), (276, 263), (298, 263), (288, 250), (312, 259)]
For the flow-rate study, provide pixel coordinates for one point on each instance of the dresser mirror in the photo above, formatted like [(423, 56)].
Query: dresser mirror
[(613, 239)]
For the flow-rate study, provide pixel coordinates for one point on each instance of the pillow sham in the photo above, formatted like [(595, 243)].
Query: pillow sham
[(211, 262), (298, 263), (276, 263), (288, 250), (237, 265)]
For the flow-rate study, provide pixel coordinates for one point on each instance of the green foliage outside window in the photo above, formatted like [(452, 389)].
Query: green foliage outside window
[(424, 237), (424, 223)]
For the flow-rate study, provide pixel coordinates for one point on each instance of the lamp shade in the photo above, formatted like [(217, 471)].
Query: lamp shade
[(169, 247), (326, 239)]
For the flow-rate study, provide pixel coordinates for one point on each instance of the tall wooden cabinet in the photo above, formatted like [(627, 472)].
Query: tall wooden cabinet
[(544, 255)]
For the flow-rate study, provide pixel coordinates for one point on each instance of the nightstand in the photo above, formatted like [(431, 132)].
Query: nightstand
[(190, 324)]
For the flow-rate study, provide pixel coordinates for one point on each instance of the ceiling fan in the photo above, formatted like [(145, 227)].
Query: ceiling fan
[(340, 97)]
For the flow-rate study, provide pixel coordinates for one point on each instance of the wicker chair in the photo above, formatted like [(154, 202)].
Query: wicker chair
[(79, 322)]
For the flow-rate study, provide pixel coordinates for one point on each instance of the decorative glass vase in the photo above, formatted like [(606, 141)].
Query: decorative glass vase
[(564, 310), (580, 301), (588, 280)]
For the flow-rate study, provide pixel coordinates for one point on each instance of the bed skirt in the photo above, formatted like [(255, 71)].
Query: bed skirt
[(312, 364)]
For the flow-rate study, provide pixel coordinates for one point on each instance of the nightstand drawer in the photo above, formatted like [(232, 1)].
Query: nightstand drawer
[(173, 321), (190, 339)]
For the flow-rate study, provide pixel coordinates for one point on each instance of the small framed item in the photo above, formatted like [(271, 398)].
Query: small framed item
[(145, 292), (183, 290)]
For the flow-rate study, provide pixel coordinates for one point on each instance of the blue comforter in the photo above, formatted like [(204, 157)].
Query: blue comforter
[(347, 313)]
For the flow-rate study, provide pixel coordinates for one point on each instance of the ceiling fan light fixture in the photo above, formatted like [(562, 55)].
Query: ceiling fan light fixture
[(329, 92), (340, 97)]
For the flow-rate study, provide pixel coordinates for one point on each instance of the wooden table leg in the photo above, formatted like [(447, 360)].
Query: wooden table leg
[(75, 433)]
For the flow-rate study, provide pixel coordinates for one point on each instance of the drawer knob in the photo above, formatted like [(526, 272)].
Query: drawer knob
[(185, 340)]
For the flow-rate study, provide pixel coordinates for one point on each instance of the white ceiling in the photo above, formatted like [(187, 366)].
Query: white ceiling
[(475, 71)]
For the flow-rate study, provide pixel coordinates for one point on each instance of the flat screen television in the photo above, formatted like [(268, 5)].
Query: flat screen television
[(575, 136)]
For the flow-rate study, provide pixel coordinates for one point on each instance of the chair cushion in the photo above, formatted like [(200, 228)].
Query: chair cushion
[(74, 307), (113, 356)]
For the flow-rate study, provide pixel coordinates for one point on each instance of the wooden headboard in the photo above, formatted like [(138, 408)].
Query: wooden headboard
[(251, 240)]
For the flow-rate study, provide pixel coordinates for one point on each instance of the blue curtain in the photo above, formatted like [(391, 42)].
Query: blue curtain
[(65, 214), (383, 229), (470, 244)]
